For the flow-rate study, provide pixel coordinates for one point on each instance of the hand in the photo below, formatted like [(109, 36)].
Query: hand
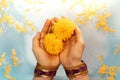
[(73, 50), (43, 58)]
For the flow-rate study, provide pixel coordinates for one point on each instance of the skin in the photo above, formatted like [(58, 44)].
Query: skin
[(41, 55), (72, 53), (69, 57)]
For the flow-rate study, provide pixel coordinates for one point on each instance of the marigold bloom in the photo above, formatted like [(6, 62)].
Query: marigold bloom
[(53, 44), (64, 28)]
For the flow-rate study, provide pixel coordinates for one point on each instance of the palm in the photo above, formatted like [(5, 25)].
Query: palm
[(44, 58), (65, 55), (73, 49), (40, 53)]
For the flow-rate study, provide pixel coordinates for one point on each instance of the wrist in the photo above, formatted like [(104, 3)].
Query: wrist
[(48, 64), (43, 78), (42, 71), (72, 63), (78, 70)]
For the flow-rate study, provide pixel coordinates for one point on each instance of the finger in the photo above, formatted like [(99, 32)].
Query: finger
[(50, 27), (52, 21), (66, 43), (41, 43), (36, 40), (79, 37), (73, 39), (55, 19), (63, 16), (45, 28)]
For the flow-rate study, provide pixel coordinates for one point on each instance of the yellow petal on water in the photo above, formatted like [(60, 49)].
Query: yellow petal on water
[(78, 20), (105, 28), (29, 23), (34, 2), (27, 1), (97, 25), (81, 14), (100, 57), (117, 50), (4, 3), (7, 76), (5, 16), (87, 17), (112, 69), (106, 15), (112, 74), (10, 20), (103, 22), (118, 68), (26, 11), (7, 71), (110, 78), (78, 2), (103, 69), (41, 2), (103, 5), (109, 71), (111, 30), (1, 20), (64, 1), (15, 59), (118, 46), (33, 28), (0, 8), (1, 30), (24, 30), (11, 0), (13, 53), (8, 68), (2, 58), (19, 27), (37, 10)]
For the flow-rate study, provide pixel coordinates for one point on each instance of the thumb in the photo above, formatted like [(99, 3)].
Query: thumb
[(78, 33)]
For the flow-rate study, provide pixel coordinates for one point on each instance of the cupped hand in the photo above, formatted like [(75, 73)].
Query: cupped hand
[(73, 50), (42, 57)]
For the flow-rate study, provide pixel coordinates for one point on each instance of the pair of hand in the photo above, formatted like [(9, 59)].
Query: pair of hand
[(71, 53)]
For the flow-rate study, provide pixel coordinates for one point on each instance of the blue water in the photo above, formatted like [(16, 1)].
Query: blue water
[(96, 42)]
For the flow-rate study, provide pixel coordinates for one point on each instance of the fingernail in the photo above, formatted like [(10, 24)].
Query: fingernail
[(41, 35), (48, 19)]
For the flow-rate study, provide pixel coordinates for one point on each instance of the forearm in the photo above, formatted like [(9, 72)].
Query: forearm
[(42, 78), (86, 77)]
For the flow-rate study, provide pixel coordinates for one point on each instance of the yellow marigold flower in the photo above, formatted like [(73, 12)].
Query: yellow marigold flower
[(64, 28), (52, 44)]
